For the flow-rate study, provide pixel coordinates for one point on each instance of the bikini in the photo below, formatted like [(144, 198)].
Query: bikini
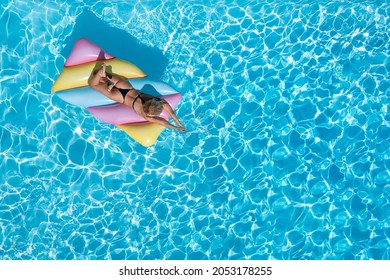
[(123, 91), (143, 100), (135, 99)]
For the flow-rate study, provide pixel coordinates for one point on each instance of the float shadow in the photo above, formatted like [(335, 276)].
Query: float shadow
[(118, 43)]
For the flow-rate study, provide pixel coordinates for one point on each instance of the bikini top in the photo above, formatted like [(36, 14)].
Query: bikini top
[(135, 99)]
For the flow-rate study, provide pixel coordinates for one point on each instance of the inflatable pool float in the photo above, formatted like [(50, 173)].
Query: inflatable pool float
[(72, 87)]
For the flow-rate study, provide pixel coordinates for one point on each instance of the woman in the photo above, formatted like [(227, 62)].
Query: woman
[(147, 106)]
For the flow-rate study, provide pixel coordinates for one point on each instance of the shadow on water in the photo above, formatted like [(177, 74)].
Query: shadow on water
[(118, 43)]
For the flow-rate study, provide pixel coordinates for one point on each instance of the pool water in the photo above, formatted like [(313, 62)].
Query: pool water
[(287, 153)]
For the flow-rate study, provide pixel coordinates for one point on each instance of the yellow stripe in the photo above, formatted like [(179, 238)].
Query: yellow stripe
[(77, 76), (145, 134)]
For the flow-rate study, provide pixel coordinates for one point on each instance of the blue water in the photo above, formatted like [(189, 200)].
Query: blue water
[(287, 153)]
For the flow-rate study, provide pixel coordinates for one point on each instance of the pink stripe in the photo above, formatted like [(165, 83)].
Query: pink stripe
[(85, 51)]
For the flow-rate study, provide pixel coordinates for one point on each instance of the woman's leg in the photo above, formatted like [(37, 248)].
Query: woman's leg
[(94, 80), (114, 79), (119, 82), (113, 95)]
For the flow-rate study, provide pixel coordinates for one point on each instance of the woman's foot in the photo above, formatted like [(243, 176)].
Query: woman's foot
[(102, 71), (110, 86)]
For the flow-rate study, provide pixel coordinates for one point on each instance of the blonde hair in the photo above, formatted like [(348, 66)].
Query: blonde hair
[(153, 106)]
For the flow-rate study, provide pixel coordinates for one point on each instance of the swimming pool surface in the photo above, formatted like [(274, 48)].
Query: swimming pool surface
[(287, 153)]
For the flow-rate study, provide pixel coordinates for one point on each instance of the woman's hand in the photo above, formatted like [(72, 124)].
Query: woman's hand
[(102, 71), (181, 128)]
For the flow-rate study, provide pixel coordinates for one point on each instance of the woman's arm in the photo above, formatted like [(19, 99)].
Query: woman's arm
[(163, 122), (170, 111)]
